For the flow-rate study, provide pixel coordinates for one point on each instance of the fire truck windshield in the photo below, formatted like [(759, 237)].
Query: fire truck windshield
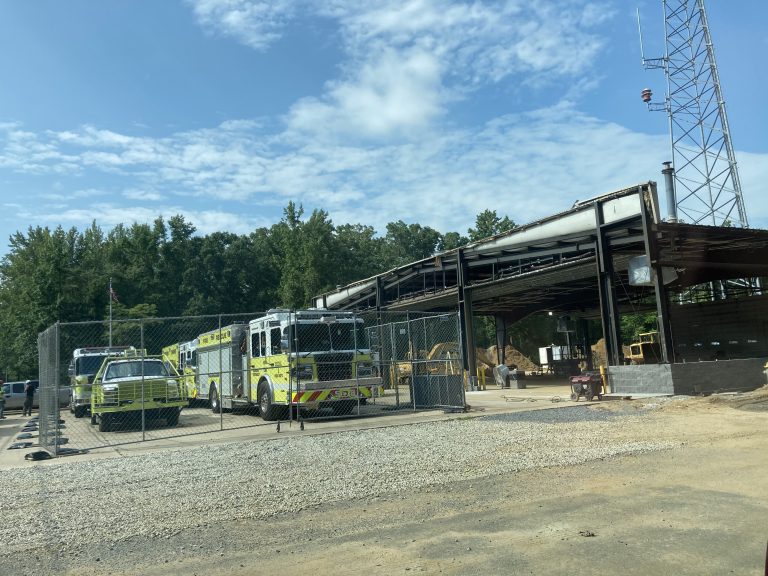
[(328, 337), (88, 365)]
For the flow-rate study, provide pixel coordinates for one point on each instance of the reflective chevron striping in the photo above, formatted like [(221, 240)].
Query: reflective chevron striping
[(334, 394)]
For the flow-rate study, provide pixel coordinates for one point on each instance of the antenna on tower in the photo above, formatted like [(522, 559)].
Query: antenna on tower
[(706, 177)]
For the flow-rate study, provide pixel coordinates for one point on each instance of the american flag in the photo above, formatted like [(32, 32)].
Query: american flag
[(113, 294)]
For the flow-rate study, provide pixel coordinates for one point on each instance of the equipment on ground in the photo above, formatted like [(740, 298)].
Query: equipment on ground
[(646, 350), (587, 385), (444, 358)]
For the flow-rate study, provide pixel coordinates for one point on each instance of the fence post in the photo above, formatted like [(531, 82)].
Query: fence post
[(143, 383)]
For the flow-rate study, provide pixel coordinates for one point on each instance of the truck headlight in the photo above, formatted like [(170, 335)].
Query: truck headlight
[(173, 389)]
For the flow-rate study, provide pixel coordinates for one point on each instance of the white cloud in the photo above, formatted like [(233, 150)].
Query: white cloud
[(254, 23), (406, 61), (398, 93), (525, 165), (377, 144)]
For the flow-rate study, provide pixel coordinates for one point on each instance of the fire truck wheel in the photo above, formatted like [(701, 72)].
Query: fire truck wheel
[(267, 410), (214, 397), (105, 421), (93, 419)]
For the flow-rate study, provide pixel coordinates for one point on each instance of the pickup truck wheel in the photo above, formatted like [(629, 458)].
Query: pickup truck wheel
[(213, 396), (105, 422), (266, 408), (79, 411), (172, 416)]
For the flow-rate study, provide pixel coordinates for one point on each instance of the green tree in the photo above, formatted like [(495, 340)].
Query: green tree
[(359, 252), (406, 243), (176, 257), (487, 223), (287, 255), (452, 240), (637, 323), (37, 287)]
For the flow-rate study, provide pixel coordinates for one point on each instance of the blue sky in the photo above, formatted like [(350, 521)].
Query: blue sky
[(428, 111)]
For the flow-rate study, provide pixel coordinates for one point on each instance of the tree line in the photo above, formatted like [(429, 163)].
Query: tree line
[(166, 269)]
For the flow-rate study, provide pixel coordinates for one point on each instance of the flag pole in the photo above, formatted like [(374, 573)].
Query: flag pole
[(110, 311)]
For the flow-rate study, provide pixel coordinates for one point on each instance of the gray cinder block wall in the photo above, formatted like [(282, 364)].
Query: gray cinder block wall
[(688, 378)]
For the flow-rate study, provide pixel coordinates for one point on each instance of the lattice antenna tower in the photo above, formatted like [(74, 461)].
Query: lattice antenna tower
[(706, 178)]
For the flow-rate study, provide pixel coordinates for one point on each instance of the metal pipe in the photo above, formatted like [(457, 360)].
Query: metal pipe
[(669, 185)]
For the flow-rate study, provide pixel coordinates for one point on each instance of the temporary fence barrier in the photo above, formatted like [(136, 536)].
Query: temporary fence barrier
[(111, 383)]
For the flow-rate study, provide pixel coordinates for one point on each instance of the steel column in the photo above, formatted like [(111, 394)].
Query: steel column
[(609, 313), (465, 315), (501, 338), (662, 303)]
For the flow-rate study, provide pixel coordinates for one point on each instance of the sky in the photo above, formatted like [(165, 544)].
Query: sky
[(426, 111)]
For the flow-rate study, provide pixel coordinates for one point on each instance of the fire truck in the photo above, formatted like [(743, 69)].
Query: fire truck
[(305, 359), (183, 357), (82, 368)]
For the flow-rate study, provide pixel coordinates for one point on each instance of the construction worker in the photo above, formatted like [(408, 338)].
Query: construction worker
[(2, 400)]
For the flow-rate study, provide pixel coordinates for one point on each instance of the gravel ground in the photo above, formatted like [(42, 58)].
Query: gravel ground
[(68, 506)]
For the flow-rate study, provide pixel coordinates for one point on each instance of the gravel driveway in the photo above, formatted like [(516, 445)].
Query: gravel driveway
[(65, 507)]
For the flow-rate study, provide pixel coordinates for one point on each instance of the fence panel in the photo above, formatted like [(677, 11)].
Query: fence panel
[(111, 383), (50, 429)]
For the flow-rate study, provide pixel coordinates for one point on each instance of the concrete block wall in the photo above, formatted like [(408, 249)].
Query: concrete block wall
[(708, 377), (646, 379), (689, 378)]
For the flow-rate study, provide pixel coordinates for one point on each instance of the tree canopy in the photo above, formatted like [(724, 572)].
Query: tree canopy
[(165, 269)]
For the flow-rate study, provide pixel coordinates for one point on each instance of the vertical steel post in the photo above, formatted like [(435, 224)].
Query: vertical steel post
[(221, 380), (662, 303), (143, 384), (465, 315), (609, 313), (501, 338)]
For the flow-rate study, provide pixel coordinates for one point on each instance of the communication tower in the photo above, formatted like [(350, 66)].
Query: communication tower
[(706, 179)]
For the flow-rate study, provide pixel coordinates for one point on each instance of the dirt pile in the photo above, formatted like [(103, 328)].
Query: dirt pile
[(511, 356)]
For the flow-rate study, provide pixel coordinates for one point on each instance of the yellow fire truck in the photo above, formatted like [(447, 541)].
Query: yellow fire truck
[(82, 368), (307, 359), (183, 357)]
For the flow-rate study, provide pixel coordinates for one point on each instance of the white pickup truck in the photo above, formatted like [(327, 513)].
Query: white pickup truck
[(14, 395)]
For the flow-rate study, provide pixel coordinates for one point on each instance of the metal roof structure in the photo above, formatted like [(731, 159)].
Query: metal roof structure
[(577, 261)]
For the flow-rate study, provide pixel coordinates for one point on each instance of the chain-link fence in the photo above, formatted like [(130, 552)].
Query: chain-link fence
[(109, 383)]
